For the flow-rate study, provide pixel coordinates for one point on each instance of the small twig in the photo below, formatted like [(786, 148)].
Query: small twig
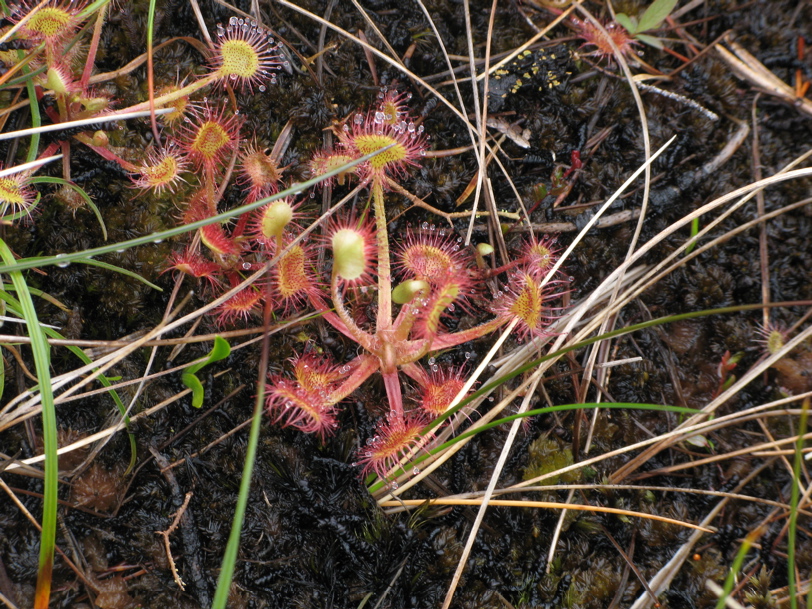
[(748, 68), (568, 227), (188, 531), (165, 534)]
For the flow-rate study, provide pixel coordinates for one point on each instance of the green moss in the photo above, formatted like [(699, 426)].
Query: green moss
[(548, 455)]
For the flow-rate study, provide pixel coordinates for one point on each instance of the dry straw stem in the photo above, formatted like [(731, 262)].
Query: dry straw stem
[(397, 507), (526, 503), (662, 580), (532, 346), (753, 71)]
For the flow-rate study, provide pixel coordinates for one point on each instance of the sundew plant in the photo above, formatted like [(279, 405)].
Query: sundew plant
[(274, 273)]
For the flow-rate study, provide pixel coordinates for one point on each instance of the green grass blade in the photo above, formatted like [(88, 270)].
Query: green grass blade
[(730, 580), (15, 307), (36, 118), (121, 271), (296, 189), (88, 201), (41, 351), (233, 546), (793, 508)]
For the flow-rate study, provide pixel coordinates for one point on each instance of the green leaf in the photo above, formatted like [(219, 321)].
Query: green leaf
[(656, 14), (652, 41), (630, 23), (193, 383), (220, 350)]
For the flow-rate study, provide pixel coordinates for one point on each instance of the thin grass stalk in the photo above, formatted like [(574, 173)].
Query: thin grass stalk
[(793, 507), (615, 487), (483, 506), (295, 189), (233, 545), (42, 361), (36, 117), (524, 503), (738, 561), (150, 70)]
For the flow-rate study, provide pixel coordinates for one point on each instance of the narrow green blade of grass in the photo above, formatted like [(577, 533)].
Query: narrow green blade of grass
[(86, 197), (793, 508), (296, 189), (15, 307), (233, 546), (36, 117), (738, 561), (121, 271), (41, 350), (377, 484)]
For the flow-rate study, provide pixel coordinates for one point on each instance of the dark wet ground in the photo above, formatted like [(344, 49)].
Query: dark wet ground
[(313, 537)]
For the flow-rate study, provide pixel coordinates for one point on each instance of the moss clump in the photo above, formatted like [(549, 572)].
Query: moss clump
[(548, 455)]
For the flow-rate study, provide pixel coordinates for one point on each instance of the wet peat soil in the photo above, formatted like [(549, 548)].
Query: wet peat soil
[(313, 537)]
